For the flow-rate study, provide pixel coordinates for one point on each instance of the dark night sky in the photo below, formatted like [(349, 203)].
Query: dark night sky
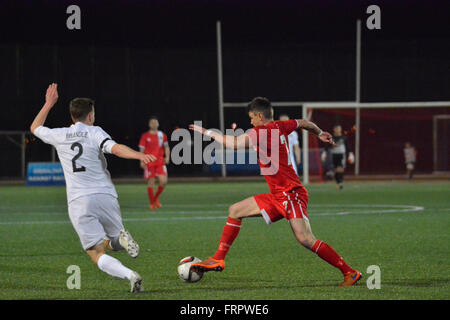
[(142, 58)]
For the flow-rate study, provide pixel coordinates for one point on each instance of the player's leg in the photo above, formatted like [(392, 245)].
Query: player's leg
[(339, 165), (111, 219), (296, 213), (122, 241), (161, 175), (244, 209), (114, 267), (303, 233), (84, 215), (339, 176), (113, 244), (410, 169), (150, 186)]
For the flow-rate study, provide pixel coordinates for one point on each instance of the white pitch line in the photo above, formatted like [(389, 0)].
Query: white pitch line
[(64, 213), (125, 220), (399, 209)]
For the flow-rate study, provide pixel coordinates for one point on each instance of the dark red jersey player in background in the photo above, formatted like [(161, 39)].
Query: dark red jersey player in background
[(287, 199), (155, 142)]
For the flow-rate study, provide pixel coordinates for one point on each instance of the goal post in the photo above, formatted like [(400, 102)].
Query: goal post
[(441, 143)]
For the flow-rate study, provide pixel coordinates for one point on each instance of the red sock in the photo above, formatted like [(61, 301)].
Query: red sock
[(328, 254), (229, 233), (160, 190), (150, 194)]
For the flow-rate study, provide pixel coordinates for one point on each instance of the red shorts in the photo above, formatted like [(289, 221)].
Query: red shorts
[(287, 205), (152, 170)]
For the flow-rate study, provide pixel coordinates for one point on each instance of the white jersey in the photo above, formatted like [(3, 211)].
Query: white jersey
[(410, 155), (80, 149), (293, 140)]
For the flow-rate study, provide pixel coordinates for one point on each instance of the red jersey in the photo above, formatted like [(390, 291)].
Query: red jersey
[(153, 143), (271, 143)]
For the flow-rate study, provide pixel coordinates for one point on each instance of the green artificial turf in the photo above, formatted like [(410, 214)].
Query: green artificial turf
[(401, 227)]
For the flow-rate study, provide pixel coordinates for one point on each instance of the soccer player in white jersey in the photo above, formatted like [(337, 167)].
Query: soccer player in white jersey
[(92, 199), (410, 158), (294, 145)]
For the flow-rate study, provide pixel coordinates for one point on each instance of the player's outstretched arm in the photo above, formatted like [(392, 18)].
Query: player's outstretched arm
[(125, 152), (312, 127), (230, 142), (51, 97)]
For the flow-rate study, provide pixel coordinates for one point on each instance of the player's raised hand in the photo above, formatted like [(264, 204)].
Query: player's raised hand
[(51, 96), (327, 138), (199, 129)]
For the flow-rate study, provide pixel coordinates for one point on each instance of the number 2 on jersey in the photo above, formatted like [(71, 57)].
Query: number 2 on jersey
[(80, 152)]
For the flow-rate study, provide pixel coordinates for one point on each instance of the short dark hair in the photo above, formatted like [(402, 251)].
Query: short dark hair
[(153, 118), (80, 108), (263, 105)]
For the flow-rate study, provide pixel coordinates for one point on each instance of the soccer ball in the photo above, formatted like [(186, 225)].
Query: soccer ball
[(184, 270)]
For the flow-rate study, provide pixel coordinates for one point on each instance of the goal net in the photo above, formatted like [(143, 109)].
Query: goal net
[(377, 134)]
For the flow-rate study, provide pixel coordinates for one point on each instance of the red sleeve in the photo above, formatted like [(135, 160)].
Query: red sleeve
[(288, 126), (142, 141), (165, 138)]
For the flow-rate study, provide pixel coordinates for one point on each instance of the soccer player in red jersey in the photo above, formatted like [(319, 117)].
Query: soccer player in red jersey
[(287, 199), (155, 142)]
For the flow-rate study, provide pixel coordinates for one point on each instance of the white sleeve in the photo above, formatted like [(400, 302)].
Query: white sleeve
[(103, 140), (48, 135), (294, 138)]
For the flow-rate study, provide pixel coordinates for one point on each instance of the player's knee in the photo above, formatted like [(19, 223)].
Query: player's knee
[(96, 252), (95, 256), (305, 240), (162, 181), (233, 211)]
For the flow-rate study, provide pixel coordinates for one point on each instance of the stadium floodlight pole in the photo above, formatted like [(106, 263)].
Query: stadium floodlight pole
[(358, 95), (220, 90)]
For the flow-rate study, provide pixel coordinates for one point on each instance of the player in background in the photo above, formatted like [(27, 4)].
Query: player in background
[(294, 145), (288, 198), (410, 159), (339, 153), (155, 142), (91, 197)]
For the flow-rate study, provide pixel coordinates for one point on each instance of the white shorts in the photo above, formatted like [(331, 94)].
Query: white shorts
[(410, 166), (95, 217)]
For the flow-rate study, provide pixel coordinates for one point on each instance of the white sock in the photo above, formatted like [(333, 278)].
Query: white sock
[(113, 267)]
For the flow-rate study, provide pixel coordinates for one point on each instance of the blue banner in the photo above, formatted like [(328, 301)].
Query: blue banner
[(240, 161), (45, 174)]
